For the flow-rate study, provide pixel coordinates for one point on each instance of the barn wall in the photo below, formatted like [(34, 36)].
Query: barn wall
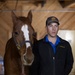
[(51, 8)]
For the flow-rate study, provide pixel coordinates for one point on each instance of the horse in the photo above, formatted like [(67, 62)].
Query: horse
[(18, 51)]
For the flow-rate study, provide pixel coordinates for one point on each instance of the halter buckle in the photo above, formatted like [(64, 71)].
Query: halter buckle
[(18, 46)]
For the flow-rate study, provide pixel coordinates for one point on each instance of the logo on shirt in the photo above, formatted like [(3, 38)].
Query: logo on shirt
[(62, 46)]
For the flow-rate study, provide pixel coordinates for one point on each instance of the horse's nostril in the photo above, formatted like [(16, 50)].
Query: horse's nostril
[(28, 60)]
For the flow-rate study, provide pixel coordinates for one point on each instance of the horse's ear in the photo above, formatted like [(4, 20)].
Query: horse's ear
[(30, 16), (14, 17)]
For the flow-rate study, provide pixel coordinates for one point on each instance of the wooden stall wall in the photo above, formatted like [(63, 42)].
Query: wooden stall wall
[(51, 8)]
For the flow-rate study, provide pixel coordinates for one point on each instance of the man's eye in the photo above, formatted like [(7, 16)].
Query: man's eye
[(50, 25), (56, 25)]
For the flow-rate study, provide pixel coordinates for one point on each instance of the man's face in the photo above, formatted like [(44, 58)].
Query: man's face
[(52, 29)]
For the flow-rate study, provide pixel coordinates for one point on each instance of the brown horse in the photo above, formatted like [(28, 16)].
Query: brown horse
[(18, 52)]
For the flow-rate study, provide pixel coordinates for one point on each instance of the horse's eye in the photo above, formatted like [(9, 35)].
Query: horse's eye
[(16, 33)]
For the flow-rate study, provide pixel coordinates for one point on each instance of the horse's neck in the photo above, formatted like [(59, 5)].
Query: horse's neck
[(11, 47)]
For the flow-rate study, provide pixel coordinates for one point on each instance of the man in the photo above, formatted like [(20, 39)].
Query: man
[(53, 55)]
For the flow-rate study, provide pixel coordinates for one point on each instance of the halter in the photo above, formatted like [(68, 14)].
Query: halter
[(19, 45)]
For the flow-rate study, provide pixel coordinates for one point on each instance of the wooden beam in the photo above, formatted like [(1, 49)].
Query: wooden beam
[(65, 3)]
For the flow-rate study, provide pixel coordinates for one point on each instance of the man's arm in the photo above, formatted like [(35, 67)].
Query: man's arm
[(69, 60)]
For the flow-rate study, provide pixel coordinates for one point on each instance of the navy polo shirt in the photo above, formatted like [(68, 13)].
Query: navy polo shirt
[(53, 45)]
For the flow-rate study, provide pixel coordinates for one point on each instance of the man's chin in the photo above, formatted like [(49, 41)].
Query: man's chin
[(53, 36)]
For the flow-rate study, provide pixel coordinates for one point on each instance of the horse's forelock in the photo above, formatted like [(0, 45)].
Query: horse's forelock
[(24, 20)]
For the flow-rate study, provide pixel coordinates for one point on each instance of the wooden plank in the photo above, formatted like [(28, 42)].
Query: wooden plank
[(4, 24)]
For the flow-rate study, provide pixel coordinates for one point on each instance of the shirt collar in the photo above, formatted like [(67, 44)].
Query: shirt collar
[(57, 40)]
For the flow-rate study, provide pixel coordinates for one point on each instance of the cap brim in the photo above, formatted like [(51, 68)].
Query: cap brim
[(54, 22)]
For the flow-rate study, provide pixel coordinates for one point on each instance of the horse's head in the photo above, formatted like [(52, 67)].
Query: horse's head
[(24, 36)]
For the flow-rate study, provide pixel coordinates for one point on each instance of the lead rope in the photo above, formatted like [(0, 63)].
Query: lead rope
[(23, 69), (23, 72)]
